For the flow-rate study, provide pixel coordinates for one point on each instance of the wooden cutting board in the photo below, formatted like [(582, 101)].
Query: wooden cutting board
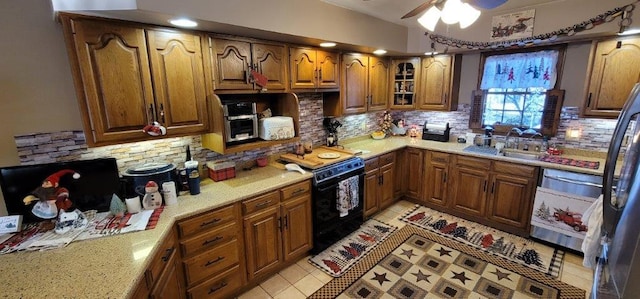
[(312, 161)]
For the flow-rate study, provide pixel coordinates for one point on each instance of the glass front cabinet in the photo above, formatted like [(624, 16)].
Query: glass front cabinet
[(405, 76)]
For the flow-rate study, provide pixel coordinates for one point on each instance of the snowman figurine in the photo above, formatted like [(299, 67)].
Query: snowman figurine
[(152, 198)]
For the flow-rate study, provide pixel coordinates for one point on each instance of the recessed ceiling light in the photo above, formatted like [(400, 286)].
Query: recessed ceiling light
[(380, 52), (327, 44), (183, 23)]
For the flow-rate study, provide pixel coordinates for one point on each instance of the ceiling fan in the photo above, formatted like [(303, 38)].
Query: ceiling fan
[(484, 4)]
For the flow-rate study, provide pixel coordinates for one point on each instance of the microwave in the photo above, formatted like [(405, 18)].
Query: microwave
[(240, 121)]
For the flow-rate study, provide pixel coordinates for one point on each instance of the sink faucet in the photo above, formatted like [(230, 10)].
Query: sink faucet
[(507, 142), (526, 144)]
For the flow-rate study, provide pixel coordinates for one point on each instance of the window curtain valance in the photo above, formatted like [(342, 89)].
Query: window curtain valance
[(521, 70)]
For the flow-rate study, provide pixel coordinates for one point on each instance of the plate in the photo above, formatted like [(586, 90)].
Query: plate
[(328, 155)]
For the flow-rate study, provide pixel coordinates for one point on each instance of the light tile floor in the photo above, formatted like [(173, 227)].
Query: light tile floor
[(303, 279)]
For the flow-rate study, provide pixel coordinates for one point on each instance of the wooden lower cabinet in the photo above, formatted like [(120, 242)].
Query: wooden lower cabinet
[(211, 252), (379, 180), (494, 193), (277, 228), (414, 161), (436, 171), (164, 277)]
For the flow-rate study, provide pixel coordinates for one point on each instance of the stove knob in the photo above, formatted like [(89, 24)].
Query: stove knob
[(349, 166)]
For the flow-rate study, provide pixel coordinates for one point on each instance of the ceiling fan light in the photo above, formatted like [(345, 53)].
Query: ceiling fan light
[(450, 11), (468, 15), (430, 18)]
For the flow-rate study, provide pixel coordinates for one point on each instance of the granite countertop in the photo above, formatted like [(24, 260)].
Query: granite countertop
[(111, 267)]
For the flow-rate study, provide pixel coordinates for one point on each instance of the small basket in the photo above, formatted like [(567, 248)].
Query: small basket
[(220, 171)]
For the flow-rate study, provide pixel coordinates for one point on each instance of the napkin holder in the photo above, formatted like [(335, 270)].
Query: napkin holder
[(436, 132)]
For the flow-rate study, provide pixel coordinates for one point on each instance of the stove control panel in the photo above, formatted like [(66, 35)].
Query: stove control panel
[(334, 170)]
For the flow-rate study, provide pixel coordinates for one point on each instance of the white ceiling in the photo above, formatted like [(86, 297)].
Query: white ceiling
[(393, 10)]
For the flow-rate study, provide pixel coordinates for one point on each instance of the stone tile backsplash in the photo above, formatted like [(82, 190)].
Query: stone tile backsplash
[(52, 147)]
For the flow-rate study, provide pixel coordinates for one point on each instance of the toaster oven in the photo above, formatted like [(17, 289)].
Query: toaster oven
[(240, 121)]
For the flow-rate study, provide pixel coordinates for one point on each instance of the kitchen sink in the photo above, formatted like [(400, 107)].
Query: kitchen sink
[(526, 155)]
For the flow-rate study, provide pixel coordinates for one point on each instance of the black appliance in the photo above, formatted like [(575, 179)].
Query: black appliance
[(93, 190), (240, 121), (328, 226), (135, 178)]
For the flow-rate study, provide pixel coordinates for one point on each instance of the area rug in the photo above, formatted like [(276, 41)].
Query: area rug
[(417, 263), (526, 252), (344, 254)]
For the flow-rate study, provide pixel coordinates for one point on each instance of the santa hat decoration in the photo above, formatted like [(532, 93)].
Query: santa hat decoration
[(55, 177)]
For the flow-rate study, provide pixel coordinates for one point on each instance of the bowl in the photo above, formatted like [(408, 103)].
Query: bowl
[(378, 135)]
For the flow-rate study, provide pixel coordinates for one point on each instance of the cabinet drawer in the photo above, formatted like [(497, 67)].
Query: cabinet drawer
[(295, 190), (439, 157), (371, 164), (387, 159), (220, 286), (208, 239), (207, 221), (516, 169), (261, 202), (473, 162), (161, 259), (211, 262)]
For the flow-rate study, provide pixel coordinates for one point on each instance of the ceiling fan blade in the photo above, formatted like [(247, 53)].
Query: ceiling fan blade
[(416, 11), (486, 4)]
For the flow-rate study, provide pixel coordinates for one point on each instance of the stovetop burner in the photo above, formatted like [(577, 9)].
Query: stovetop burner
[(334, 170)]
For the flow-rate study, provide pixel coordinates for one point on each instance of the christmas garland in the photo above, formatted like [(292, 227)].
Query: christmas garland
[(623, 12)]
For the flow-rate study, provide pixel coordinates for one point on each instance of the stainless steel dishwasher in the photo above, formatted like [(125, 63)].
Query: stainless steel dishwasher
[(560, 201)]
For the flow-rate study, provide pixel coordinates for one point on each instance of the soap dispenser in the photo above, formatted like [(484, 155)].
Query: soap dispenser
[(488, 133)]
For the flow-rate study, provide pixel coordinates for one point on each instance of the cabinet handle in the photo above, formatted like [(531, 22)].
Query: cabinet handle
[(209, 263), (151, 113), (301, 190), (167, 254), (445, 98), (493, 187), (286, 221), (280, 223), (589, 100), (485, 186), (218, 238), (246, 76), (162, 113), (210, 222), (217, 287), (263, 204), (444, 180), (320, 74)]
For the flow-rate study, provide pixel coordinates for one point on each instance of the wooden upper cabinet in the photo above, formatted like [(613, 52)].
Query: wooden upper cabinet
[(378, 83), (178, 77), (403, 82), (235, 59), (314, 69), (614, 69), (354, 91), (439, 83), (113, 80)]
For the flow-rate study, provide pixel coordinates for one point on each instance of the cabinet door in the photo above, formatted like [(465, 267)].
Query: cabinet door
[(511, 199), (400, 181), (233, 59), (263, 244), (614, 71), (370, 193), (297, 233), (378, 84), (169, 286), (271, 61), (354, 91), (303, 68), (386, 174), (117, 96), (435, 80), (328, 64), (435, 177), (178, 80), (469, 190), (414, 159), (403, 83)]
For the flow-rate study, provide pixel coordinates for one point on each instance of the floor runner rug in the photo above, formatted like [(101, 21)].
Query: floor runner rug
[(417, 263), (526, 252), (341, 256)]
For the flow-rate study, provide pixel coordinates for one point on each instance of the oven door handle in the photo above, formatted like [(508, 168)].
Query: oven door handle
[(576, 182), (240, 117)]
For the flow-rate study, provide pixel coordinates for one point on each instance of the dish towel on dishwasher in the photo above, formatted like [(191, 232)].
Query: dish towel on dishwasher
[(591, 243), (347, 195)]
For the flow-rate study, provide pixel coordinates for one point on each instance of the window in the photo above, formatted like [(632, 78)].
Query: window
[(517, 89)]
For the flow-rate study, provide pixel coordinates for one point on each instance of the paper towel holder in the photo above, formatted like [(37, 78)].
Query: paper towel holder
[(436, 132)]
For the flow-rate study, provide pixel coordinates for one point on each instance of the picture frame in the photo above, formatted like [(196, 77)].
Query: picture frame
[(512, 26)]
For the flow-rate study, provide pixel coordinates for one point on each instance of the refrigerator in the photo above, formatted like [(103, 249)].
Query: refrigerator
[(617, 274)]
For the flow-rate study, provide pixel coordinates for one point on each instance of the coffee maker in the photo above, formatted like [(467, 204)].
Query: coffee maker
[(331, 125)]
